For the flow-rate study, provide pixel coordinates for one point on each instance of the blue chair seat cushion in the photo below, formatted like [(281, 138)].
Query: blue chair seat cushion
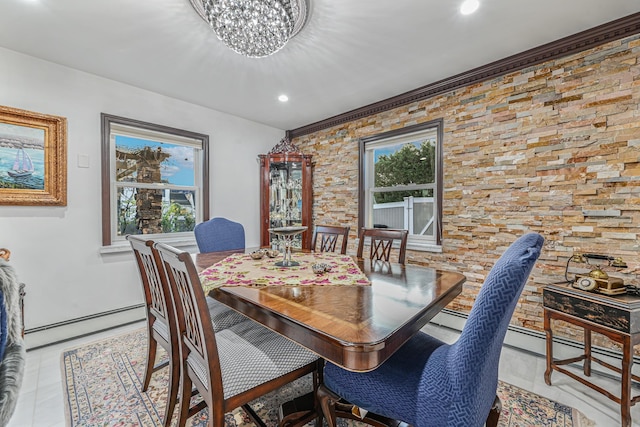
[(391, 389)]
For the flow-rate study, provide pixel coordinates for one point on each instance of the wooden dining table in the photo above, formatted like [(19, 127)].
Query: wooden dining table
[(355, 326)]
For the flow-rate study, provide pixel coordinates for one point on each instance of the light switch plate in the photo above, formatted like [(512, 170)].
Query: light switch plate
[(83, 160)]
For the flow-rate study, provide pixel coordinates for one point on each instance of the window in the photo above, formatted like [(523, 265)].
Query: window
[(154, 180), (401, 182)]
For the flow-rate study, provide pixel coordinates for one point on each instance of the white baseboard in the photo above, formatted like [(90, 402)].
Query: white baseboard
[(64, 331), (535, 342)]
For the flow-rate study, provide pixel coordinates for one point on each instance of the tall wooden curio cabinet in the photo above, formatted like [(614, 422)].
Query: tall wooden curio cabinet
[(285, 193)]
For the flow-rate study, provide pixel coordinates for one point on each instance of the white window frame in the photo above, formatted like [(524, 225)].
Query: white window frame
[(431, 130), (113, 126)]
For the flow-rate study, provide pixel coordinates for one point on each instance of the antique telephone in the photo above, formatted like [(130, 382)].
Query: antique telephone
[(597, 280)]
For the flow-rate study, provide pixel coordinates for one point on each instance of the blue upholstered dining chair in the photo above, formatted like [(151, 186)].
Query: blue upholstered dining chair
[(430, 383), (219, 234)]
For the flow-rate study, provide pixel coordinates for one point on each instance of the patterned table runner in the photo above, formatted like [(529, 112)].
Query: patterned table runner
[(242, 270)]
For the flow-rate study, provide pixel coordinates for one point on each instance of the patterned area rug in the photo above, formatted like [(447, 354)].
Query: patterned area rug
[(102, 387)]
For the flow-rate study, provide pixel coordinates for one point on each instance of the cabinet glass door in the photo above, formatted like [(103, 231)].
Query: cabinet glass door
[(285, 199)]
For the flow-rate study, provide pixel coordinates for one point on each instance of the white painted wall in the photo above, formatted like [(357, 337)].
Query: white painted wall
[(56, 250)]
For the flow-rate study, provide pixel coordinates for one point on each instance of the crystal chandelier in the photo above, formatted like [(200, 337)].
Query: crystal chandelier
[(254, 28)]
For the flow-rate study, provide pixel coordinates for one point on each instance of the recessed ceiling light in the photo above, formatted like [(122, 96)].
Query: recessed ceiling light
[(469, 6), (283, 98)]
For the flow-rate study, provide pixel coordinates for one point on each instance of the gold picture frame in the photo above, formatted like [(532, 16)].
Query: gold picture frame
[(33, 158)]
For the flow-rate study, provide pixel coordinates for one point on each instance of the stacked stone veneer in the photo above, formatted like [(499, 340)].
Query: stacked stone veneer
[(554, 148), (149, 201)]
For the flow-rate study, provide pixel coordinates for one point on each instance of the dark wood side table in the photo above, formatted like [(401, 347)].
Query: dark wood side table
[(616, 317)]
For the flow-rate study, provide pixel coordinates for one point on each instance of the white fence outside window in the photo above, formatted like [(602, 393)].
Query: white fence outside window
[(415, 214)]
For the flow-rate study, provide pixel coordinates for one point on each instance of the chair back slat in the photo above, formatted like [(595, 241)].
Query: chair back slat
[(198, 342), (162, 326), (158, 300), (381, 249), (328, 236), (328, 243), (381, 241), (157, 294), (192, 333)]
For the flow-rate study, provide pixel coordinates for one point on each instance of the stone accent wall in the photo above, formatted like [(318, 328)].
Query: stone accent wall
[(554, 148), (148, 201), (149, 211)]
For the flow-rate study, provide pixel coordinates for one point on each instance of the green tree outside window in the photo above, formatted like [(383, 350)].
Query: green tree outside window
[(408, 165)]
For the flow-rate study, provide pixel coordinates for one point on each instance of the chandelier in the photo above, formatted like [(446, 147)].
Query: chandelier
[(254, 28)]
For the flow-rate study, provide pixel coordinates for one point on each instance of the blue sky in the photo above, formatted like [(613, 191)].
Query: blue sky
[(177, 169), (385, 151), (391, 149)]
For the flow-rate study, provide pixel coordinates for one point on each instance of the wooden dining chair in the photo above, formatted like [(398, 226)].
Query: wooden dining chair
[(329, 236), (229, 367), (162, 326), (381, 240), (431, 383)]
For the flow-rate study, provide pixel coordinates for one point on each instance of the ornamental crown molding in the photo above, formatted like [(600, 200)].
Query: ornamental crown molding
[(285, 146), (596, 36)]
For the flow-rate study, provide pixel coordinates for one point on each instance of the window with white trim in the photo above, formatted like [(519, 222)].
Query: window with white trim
[(154, 180), (401, 182)]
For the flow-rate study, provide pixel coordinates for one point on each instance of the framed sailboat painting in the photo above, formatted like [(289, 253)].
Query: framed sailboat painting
[(33, 158)]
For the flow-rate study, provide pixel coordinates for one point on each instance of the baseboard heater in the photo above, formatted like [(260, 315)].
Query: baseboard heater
[(82, 326), (518, 337)]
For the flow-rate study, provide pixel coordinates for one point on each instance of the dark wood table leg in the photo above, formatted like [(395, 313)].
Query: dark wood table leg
[(299, 411), (625, 397), (587, 352), (304, 409), (549, 334)]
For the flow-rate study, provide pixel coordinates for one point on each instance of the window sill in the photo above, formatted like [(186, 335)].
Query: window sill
[(424, 247), (124, 246)]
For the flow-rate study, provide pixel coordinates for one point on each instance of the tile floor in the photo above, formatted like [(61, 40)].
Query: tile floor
[(40, 403)]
